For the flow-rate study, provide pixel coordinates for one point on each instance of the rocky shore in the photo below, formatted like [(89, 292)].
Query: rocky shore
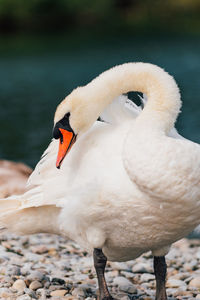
[(49, 267)]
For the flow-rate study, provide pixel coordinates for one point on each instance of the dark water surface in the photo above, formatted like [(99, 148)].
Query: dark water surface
[(36, 74)]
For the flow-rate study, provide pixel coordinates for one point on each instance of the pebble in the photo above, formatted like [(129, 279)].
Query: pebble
[(14, 270), (41, 249), (55, 287), (140, 268), (35, 275), (195, 282), (30, 293), (175, 283), (147, 277), (25, 270), (58, 293), (19, 285), (24, 297), (78, 292), (124, 285), (58, 280), (119, 266), (35, 285), (121, 281), (5, 293), (52, 268)]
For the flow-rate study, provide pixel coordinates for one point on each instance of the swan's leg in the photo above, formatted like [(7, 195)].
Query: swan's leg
[(100, 264), (160, 270)]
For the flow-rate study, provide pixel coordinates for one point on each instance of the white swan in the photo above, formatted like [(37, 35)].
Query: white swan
[(124, 188)]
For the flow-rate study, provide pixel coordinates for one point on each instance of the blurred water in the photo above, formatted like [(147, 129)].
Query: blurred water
[(36, 75)]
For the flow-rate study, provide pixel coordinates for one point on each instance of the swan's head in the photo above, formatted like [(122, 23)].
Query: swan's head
[(73, 116)]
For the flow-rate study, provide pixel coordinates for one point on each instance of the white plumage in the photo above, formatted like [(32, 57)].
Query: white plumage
[(128, 185)]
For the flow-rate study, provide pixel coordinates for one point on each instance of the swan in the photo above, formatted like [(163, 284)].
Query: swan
[(121, 187)]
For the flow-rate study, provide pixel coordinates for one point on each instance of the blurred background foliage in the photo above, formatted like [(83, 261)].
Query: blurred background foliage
[(49, 47), (61, 15)]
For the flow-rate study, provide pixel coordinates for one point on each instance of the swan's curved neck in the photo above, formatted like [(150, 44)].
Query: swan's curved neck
[(163, 103)]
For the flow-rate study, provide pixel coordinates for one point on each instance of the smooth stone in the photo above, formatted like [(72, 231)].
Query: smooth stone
[(26, 269), (57, 280), (24, 297), (195, 282), (84, 286), (32, 257), (55, 287), (70, 297), (120, 266), (125, 285), (175, 283), (5, 293), (120, 280), (35, 285), (171, 291), (47, 284), (131, 289), (127, 274), (140, 268), (19, 285), (181, 291), (58, 293), (147, 277), (13, 270), (7, 279), (41, 249), (43, 293), (36, 275), (110, 275), (30, 293), (78, 292)]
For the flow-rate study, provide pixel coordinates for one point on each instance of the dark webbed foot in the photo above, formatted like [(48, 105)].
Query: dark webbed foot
[(100, 264), (160, 270)]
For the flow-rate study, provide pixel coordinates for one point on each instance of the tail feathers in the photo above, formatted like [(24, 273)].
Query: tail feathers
[(30, 220), (27, 214), (9, 204)]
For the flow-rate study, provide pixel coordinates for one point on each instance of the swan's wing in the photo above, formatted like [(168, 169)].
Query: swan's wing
[(44, 182), (120, 110), (44, 166)]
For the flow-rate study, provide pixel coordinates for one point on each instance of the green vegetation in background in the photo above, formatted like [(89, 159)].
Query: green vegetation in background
[(135, 15)]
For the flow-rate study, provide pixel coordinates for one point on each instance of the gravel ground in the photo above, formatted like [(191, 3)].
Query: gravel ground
[(49, 267)]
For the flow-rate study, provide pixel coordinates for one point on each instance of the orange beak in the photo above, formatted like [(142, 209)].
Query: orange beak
[(66, 141)]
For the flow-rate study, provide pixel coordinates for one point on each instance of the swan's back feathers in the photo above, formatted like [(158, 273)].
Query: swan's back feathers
[(120, 110)]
